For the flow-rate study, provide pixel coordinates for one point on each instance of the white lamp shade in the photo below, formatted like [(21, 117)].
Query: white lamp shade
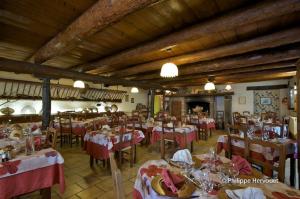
[(78, 84), (228, 87), (169, 70), (134, 90), (209, 86)]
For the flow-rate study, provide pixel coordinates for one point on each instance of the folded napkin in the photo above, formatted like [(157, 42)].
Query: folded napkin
[(183, 155), (248, 193), (171, 180), (37, 132), (242, 165), (105, 127)]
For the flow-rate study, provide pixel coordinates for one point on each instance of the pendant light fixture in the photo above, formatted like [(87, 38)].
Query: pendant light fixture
[(169, 70), (134, 90), (78, 84), (228, 87), (209, 86)]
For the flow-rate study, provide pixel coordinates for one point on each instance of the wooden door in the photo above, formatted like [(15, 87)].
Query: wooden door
[(176, 109)]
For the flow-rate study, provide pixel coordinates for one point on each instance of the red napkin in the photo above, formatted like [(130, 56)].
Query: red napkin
[(242, 165), (171, 180)]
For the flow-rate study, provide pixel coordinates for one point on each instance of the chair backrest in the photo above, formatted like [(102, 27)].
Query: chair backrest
[(51, 137), (235, 116), (65, 123), (126, 136), (246, 113), (170, 131), (265, 164), (114, 120), (130, 123), (117, 178), (233, 137), (242, 120)]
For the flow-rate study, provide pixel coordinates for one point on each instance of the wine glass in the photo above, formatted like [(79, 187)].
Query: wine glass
[(233, 170)]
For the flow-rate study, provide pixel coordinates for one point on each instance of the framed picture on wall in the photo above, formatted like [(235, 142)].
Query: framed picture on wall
[(242, 100), (132, 100), (265, 101)]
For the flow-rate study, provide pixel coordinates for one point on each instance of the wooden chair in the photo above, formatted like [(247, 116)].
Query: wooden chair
[(66, 130), (220, 119), (233, 135), (114, 121), (267, 166), (117, 178), (51, 137), (242, 120), (167, 135), (235, 116), (126, 145), (272, 115), (202, 130), (246, 113)]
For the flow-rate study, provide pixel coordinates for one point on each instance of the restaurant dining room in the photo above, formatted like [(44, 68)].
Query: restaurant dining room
[(149, 99)]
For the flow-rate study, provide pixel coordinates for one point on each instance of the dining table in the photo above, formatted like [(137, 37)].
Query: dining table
[(28, 173), (184, 135), (260, 152), (145, 186), (99, 143), (207, 124)]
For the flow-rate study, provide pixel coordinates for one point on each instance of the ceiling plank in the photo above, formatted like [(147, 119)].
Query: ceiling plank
[(269, 41), (53, 72), (235, 19), (96, 18)]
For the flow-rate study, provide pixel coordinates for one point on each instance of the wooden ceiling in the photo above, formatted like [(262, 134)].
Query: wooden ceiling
[(231, 40)]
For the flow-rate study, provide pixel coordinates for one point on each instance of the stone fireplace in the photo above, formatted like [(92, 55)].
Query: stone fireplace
[(207, 102)]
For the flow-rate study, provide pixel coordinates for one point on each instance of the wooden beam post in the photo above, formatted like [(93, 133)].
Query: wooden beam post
[(152, 94), (298, 118), (46, 100)]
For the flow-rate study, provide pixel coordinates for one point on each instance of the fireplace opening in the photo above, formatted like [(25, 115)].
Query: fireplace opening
[(193, 104)]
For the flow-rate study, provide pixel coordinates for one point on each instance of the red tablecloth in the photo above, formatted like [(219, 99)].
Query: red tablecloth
[(26, 174), (101, 152), (32, 180), (181, 138)]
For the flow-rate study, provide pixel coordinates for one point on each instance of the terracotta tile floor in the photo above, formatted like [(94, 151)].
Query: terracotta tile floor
[(87, 183)]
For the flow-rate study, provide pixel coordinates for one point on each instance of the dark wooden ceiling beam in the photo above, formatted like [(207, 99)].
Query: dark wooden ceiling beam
[(96, 18), (284, 64), (53, 72), (235, 19), (235, 78), (243, 61), (268, 41)]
